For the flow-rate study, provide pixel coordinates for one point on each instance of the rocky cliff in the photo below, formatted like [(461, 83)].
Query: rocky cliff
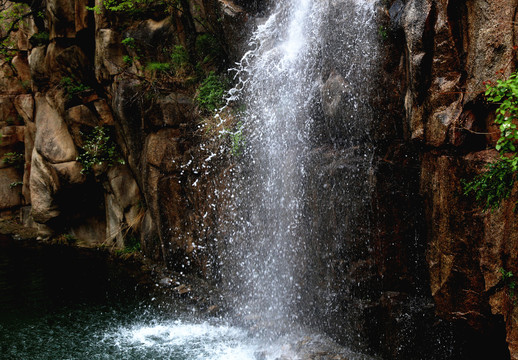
[(115, 89), (120, 84), (443, 53)]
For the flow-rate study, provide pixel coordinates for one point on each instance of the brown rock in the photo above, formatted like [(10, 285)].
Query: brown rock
[(9, 82), (61, 17), (36, 60), (25, 107), (21, 64), (163, 151), (108, 54), (44, 184), (76, 118), (52, 139), (171, 110), (104, 111), (69, 172), (11, 136)]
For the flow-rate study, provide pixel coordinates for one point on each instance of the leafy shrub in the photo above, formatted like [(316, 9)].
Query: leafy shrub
[(14, 159), (497, 181), (211, 93), (508, 281), (179, 59), (129, 42), (40, 38), (127, 60), (494, 184), (72, 87), (98, 149)]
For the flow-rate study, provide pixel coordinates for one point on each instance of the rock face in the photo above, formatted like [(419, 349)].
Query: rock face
[(429, 262), (442, 52), (74, 74)]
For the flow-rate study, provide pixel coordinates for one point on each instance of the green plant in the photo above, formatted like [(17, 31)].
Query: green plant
[(131, 245), (98, 149), (237, 140), (65, 239), (494, 184), (179, 59), (497, 181), (129, 42), (508, 281), (72, 87), (14, 159), (211, 93), (127, 60), (12, 14), (157, 67), (40, 38), (383, 32), (15, 184)]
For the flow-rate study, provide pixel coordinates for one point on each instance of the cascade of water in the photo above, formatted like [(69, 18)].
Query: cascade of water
[(280, 82)]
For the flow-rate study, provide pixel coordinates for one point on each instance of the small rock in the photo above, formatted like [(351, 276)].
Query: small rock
[(213, 309), (182, 289), (166, 281)]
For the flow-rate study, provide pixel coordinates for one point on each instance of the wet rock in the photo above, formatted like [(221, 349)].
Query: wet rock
[(233, 20), (171, 110), (335, 92), (163, 150), (182, 289)]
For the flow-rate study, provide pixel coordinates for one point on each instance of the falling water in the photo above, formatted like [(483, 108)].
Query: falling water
[(291, 111)]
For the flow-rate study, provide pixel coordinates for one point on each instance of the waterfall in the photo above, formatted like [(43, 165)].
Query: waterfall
[(302, 94)]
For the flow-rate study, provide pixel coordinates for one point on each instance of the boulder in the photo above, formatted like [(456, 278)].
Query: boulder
[(36, 59), (25, 107), (52, 139), (108, 54), (44, 184), (61, 17)]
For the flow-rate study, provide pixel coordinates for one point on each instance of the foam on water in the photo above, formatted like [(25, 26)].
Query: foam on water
[(191, 341)]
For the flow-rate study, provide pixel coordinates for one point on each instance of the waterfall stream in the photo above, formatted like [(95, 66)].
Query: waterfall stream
[(303, 87)]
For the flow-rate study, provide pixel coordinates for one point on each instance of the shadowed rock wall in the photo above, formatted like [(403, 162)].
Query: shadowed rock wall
[(439, 54)]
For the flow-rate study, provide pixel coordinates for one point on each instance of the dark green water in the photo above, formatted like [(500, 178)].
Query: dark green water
[(65, 303)]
